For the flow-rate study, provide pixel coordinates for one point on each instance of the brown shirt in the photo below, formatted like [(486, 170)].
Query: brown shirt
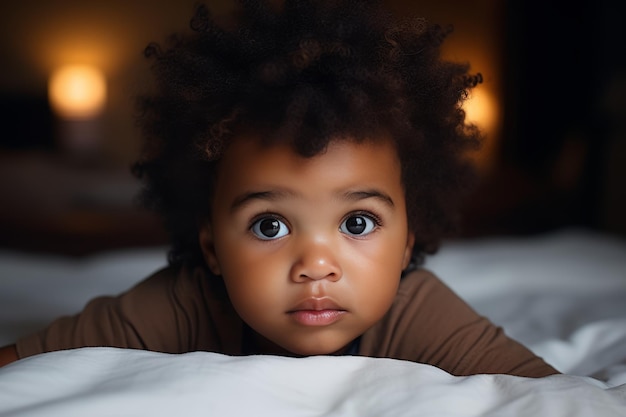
[(180, 310)]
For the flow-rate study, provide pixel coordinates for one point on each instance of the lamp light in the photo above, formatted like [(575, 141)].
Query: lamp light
[(482, 110), (77, 92)]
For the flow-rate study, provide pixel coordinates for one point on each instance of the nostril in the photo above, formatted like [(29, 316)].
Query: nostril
[(333, 276)]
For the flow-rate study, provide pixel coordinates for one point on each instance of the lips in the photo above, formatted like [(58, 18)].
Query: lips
[(317, 312), (317, 304)]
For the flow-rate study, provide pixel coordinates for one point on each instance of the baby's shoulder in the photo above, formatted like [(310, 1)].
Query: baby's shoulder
[(418, 279), (178, 280), (422, 289)]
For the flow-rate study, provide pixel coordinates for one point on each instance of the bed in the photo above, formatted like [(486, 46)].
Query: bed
[(563, 294)]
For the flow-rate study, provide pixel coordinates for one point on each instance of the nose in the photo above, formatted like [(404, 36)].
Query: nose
[(316, 260)]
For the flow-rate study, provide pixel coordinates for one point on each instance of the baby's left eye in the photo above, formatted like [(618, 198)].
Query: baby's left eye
[(358, 225)]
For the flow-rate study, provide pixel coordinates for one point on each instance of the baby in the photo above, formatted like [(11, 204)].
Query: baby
[(305, 158)]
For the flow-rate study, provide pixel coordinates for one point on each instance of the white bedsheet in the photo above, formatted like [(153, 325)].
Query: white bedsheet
[(562, 294), (111, 382)]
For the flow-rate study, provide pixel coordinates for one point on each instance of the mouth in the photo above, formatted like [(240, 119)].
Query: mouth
[(317, 312)]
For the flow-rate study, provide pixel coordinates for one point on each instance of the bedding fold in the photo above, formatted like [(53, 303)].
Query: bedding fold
[(108, 381)]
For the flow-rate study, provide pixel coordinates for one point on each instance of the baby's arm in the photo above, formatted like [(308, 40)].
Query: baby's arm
[(152, 316), (8, 354), (431, 324)]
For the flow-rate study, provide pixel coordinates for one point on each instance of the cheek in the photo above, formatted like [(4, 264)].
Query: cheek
[(378, 285), (252, 279), (384, 294), (378, 266)]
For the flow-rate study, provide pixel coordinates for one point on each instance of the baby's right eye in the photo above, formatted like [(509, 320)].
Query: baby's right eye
[(269, 228)]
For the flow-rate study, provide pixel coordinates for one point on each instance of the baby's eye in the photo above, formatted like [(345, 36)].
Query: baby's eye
[(269, 228), (358, 225)]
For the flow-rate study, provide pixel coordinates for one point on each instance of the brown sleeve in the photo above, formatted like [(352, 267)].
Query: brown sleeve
[(429, 323), (167, 312)]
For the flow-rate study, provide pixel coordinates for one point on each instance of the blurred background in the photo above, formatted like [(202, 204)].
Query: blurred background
[(552, 106)]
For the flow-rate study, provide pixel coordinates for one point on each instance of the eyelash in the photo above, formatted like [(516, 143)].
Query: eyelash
[(375, 217), (267, 215)]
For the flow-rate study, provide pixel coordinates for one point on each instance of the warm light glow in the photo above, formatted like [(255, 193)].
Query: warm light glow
[(480, 109), (77, 92)]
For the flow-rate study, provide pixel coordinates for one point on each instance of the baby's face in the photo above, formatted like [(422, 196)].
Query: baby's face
[(310, 249)]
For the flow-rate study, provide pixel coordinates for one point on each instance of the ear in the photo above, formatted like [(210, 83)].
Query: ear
[(408, 250), (208, 248)]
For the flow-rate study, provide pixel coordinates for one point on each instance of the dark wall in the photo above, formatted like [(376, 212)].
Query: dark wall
[(562, 157), (27, 122)]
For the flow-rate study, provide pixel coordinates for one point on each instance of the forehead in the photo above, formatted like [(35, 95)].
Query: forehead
[(248, 156), (346, 167)]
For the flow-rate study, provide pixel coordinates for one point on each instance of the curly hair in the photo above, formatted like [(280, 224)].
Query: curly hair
[(306, 72)]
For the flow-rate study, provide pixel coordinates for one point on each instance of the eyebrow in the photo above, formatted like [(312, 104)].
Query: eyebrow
[(358, 195), (278, 194)]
